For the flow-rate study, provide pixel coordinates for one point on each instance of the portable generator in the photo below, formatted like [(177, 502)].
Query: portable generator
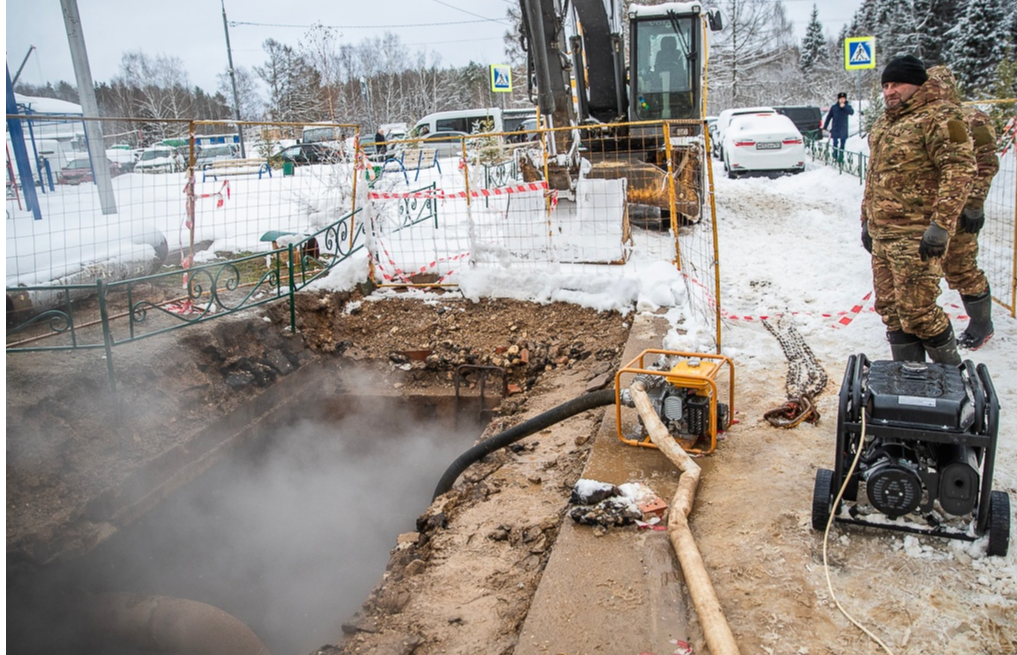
[(682, 387), (924, 437)]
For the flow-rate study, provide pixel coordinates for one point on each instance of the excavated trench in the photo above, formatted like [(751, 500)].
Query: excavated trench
[(287, 533), (257, 482)]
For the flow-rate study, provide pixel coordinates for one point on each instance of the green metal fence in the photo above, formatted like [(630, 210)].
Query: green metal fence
[(845, 161)]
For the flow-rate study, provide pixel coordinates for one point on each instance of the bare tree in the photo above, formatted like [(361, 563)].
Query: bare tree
[(294, 85), (757, 40), (250, 101)]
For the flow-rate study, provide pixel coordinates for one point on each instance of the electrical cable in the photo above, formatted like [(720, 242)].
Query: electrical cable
[(826, 536), (240, 23)]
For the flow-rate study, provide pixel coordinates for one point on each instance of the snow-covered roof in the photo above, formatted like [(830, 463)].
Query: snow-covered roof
[(48, 105)]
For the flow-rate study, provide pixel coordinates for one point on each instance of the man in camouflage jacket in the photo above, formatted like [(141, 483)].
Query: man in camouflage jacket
[(920, 173), (960, 265)]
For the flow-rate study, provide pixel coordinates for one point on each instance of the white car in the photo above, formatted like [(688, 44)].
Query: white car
[(159, 159), (724, 119), (216, 152), (763, 142)]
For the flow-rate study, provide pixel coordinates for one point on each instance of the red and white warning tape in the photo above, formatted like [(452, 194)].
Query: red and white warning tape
[(399, 275), (218, 194)]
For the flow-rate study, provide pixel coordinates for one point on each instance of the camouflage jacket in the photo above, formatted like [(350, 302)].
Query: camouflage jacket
[(983, 136), (921, 168)]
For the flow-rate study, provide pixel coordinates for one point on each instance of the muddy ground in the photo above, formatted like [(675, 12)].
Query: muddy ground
[(464, 581)]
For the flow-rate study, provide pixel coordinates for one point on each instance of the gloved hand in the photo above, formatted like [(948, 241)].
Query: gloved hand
[(972, 219), (866, 239), (933, 242)]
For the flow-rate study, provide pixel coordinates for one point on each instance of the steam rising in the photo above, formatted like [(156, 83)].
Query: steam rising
[(291, 535)]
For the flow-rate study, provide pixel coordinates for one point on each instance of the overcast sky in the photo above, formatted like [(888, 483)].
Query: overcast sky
[(192, 30)]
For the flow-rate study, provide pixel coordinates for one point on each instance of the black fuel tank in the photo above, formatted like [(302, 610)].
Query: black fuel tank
[(919, 394)]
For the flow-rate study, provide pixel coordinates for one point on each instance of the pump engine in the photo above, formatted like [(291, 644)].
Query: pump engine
[(682, 389)]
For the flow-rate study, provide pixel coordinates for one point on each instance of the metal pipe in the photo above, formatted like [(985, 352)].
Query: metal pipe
[(169, 625)]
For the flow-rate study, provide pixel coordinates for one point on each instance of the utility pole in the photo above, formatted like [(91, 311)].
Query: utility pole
[(89, 106), (233, 79), (365, 93)]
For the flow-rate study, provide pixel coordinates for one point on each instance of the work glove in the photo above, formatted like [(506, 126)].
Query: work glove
[(866, 239), (933, 242), (972, 219)]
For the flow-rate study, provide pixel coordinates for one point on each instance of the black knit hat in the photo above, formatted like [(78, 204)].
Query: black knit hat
[(905, 70), (841, 95)]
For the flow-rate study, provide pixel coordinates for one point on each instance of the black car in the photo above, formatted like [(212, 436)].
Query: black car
[(808, 120), (309, 153)]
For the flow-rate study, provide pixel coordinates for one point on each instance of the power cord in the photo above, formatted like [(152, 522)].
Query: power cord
[(826, 536)]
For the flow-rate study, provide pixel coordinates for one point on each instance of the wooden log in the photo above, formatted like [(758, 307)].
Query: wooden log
[(718, 634)]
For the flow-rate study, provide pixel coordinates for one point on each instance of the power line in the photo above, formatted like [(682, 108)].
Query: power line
[(470, 13), (237, 23)]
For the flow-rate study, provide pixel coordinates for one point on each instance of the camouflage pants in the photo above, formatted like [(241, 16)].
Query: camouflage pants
[(960, 265), (906, 287)]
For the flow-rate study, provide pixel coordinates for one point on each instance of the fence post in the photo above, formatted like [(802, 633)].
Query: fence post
[(293, 299), (107, 339)]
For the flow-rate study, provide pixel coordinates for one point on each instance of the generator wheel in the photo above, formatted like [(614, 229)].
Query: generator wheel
[(822, 497), (999, 523)]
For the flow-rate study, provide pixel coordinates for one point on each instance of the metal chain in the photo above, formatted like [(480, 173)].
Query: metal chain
[(805, 377)]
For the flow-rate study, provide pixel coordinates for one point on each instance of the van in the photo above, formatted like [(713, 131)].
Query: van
[(57, 153), (469, 121)]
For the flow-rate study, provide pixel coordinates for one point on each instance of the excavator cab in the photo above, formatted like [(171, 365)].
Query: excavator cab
[(665, 65)]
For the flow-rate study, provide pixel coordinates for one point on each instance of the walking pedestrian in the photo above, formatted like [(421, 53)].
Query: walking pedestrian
[(921, 169), (836, 124), (379, 143)]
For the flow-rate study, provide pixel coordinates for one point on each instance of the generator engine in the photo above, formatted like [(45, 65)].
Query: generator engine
[(924, 457), (682, 389)]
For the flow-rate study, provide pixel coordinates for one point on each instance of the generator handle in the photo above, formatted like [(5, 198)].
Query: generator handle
[(992, 427), (976, 385), (856, 386)]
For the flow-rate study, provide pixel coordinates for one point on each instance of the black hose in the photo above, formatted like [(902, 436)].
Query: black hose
[(517, 432)]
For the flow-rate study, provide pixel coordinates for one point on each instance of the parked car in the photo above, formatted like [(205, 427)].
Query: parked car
[(304, 154), (724, 119), (763, 142), (160, 159), (80, 170), (216, 152), (808, 120)]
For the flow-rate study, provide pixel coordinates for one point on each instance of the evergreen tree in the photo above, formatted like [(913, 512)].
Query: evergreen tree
[(939, 16), (813, 50), (978, 43)]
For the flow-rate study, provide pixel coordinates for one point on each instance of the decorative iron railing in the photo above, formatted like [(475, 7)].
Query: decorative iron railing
[(845, 161)]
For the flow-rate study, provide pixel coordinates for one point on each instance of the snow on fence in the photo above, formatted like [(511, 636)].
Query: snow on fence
[(632, 202), (615, 204)]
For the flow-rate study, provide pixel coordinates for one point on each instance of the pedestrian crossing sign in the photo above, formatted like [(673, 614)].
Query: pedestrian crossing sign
[(859, 52), (501, 78)]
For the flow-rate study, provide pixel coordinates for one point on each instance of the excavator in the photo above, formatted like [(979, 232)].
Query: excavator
[(658, 76)]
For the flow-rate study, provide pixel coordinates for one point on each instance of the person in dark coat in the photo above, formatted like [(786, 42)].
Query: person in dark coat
[(837, 124), (379, 143)]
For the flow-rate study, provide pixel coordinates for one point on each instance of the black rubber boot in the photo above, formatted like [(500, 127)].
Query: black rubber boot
[(979, 329), (905, 347), (942, 348)]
